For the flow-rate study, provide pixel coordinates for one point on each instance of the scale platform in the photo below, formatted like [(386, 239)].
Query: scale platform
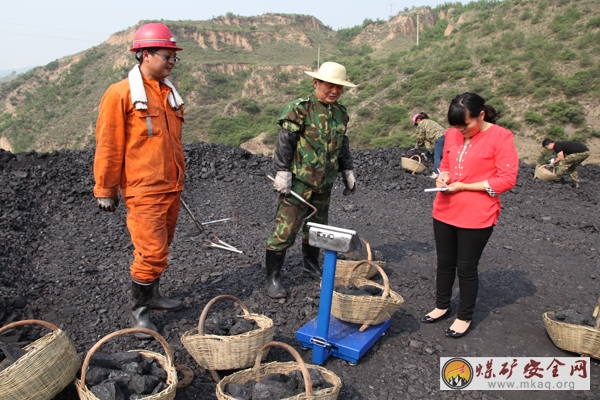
[(343, 341), (326, 334)]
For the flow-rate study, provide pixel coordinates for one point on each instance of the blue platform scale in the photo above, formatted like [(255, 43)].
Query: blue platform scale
[(326, 335)]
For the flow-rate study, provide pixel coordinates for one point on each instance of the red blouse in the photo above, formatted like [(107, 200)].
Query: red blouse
[(490, 155)]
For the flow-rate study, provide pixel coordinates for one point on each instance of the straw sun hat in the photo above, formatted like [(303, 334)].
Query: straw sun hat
[(331, 72)]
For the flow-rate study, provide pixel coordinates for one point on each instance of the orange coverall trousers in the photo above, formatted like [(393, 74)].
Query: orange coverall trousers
[(151, 220)]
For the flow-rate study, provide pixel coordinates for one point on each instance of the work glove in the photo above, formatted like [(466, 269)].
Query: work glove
[(349, 181), (552, 161), (283, 182), (108, 203)]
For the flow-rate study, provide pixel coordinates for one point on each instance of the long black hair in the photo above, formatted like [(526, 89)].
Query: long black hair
[(473, 104)]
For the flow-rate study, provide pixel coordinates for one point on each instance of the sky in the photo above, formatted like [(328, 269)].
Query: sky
[(36, 32)]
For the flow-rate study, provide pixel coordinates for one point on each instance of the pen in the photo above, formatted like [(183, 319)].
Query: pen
[(440, 175)]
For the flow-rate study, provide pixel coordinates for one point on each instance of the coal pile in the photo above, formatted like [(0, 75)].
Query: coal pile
[(228, 326), (124, 375), (353, 290), (64, 261), (573, 317), (277, 386), (10, 354)]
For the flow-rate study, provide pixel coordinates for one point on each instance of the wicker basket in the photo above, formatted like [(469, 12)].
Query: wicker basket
[(364, 270), (366, 310), (165, 362), (412, 164), (215, 352), (50, 364), (583, 340), (543, 173), (258, 373)]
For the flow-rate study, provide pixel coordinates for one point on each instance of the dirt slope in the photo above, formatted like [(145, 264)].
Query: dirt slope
[(64, 261)]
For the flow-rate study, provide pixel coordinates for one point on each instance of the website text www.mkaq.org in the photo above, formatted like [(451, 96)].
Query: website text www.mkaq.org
[(541, 385)]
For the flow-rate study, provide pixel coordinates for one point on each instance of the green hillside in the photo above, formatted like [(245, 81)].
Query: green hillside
[(535, 60)]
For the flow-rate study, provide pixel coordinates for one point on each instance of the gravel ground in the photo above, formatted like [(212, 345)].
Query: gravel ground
[(64, 261)]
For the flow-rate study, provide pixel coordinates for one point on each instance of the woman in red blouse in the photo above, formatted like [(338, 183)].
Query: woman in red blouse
[(479, 163)]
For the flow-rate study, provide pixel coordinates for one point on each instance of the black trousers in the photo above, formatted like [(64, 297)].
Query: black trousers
[(458, 253)]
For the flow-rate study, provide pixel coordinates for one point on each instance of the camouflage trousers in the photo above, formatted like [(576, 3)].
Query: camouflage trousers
[(291, 212), (571, 163)]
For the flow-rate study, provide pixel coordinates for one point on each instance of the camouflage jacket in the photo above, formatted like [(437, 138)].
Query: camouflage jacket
[(321, 130), (428, 132)]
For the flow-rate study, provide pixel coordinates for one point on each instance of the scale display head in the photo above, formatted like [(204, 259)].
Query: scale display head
[(332, 238)]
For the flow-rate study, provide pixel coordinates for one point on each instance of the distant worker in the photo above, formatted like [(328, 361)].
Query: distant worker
[(569, 156), (431, 135), (139, 153), (312, 149)]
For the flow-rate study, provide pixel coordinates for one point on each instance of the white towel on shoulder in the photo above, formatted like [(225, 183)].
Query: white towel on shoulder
[(138, 93)]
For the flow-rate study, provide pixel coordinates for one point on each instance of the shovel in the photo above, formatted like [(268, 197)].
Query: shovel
[(198, 224), (235, 220), (296, 195)]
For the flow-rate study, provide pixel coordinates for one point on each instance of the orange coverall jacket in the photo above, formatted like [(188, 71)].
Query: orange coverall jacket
[(127, 156)]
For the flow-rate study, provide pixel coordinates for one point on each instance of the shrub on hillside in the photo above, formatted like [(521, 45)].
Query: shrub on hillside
[(578, 83), (397, 139), (387, 81), (451, 66), (593, 23), (541, 93), (515, 85), (545, 156), (570, 112), (364, 112), (533, 118), (556, 131), (510, 124), (563, 21), (394, 93), (51, 66)]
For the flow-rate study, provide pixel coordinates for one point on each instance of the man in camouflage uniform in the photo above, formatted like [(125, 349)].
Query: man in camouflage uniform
[(431, 135), (312, 149), (569, 156)]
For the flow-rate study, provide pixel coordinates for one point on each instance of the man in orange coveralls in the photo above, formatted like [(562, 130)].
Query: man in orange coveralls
[(139, 152)]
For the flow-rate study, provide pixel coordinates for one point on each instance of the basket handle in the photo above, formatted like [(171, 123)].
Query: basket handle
[(29, 322), (294, 353), (213, 301), (113, 335), (418, 157), (418, 160), (386, 281), (368, 246)]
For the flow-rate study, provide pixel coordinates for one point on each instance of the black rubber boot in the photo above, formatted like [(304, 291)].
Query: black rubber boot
[(162, 303), (274, 262), (311, 261), (141, 296)]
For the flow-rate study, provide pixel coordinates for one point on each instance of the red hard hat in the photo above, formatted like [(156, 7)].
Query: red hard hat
[(154, 35)]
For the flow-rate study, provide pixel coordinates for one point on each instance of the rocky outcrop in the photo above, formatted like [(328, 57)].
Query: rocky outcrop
[(377, 35)]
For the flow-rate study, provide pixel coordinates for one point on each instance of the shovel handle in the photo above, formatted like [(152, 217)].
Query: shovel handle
[(296, 195), (187, 209)]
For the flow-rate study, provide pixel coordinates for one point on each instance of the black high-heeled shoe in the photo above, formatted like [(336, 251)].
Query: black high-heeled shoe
[(426, 319), (455, 335)]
